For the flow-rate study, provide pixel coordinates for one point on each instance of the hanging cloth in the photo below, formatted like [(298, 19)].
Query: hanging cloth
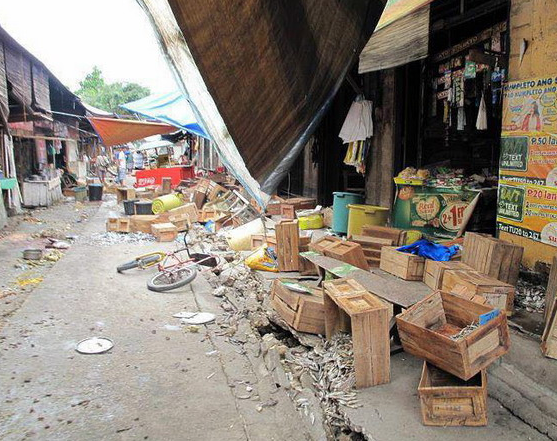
[(481, 121), (358, 124)]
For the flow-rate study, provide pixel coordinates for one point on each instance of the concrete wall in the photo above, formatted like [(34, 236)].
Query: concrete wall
[(536, 22)]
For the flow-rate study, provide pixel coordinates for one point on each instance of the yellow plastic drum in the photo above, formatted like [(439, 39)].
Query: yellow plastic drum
[(360, 215), (167, 202), (313, 222)]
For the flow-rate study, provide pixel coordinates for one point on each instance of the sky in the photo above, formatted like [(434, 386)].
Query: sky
[(72, 36)]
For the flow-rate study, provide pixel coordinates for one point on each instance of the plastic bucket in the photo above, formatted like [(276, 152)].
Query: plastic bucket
[(360, 215), (80, 194), (143, 207), (129, 206), (340, 209), (95, 192)]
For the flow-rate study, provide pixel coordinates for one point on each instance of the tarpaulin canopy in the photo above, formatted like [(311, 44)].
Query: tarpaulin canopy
[(260, 74), (121, 131), (172, 108), (401, 36)]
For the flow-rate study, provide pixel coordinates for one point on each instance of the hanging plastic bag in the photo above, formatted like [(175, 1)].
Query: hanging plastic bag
[(262, 259), (481, 122)]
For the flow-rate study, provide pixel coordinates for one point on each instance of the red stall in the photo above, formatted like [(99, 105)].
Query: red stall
[(154, 176)]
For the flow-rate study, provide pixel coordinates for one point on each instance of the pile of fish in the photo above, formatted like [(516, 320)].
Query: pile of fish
[(530, 296), (331, 367)]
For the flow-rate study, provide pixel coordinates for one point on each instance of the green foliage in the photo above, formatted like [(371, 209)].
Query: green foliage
[(94, 90)]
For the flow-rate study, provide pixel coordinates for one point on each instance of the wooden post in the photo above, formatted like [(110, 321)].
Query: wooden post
[(551, 291)]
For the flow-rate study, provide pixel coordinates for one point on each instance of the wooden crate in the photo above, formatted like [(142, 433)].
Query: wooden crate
[(397, 236), (434, 271), (493, 257), (112, 224), (404, 265), (165, 232), (367, 318), (549, 337), (124, 194), (349, 252), (497, 293), (303, 312), (320, 245), (449, 401), (425, 329), (189, 210), (289, 207), (258, 240), (372, 247), (288, 243), (143, 222)]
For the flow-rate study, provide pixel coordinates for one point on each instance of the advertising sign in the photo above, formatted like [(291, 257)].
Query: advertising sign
[(529, 105), (528, 210), (435, 211), (529, 158)]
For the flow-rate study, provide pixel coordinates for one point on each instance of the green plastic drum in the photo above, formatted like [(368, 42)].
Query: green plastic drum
[(360, 215), (340, 209)]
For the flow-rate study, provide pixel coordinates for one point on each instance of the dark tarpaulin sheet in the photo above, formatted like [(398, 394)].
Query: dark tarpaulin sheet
[(270, 66), (18, 72), (4, 107), (41, 88)]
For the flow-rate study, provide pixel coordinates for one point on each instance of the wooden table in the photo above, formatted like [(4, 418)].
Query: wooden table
[(401, 293)]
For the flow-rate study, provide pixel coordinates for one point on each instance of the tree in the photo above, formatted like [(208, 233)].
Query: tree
[(94, 90)]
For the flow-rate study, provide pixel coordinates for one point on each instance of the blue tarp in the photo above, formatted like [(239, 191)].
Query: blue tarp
[(172, 108)]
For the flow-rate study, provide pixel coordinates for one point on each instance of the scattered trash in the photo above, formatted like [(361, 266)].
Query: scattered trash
[(199, 318), (193, 329), (210, 375), (23, 282), (33, 254), (184, 314), (94, 345), (530, 296)]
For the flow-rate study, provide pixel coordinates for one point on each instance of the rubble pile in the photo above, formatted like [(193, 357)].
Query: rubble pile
[(530, 296), (112, 238)]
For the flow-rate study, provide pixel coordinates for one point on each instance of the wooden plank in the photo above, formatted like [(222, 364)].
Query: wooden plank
[(549, 337), (388, 287)]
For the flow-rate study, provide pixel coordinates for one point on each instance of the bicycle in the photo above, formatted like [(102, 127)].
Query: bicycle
[(174, 271)]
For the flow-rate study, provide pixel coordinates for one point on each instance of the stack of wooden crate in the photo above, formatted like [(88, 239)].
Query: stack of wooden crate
[(492, 257), (374, 238), (457, 339)]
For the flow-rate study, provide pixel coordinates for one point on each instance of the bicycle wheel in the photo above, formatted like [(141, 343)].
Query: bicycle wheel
[(169, 280), (137, 262)]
